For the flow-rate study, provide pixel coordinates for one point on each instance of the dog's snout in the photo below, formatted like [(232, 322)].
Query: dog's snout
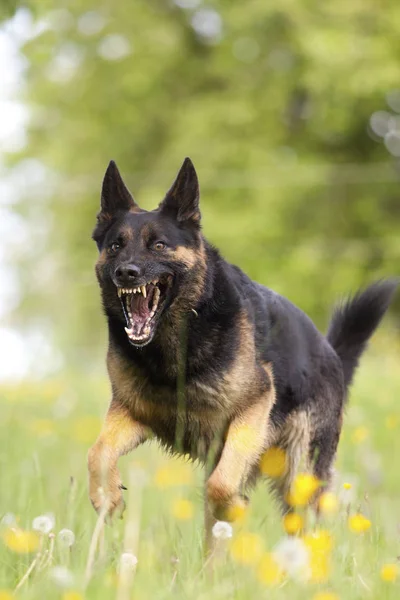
[(126, 274)]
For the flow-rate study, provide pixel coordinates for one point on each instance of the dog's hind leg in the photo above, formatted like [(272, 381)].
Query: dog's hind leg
[(294, 440), (120, 434)]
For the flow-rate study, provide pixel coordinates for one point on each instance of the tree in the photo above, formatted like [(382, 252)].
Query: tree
[(273, 103)]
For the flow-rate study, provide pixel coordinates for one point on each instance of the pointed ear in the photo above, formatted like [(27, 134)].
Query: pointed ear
[(182, 200), (114, 194)]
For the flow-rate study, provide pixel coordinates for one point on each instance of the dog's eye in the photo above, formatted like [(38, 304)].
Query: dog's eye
[(115, 246), (159, 246)]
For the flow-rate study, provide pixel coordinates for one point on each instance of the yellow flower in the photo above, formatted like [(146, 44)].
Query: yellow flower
[(21, 541), (325, 596), (6, 595), (110, 579), (319, 541), (72, 596), (303, 488), (319, 545), (173, 474), (236, 513), (328, 503), (392, 421), (347, 486), (269, 572), (360, 434), (42, 427), (273, 462), (390, 572), (182, 509), (358, 523), (246, 548), (293, 523)]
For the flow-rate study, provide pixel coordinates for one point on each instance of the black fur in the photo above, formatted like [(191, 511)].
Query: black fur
[(354, 321), (198, 338)]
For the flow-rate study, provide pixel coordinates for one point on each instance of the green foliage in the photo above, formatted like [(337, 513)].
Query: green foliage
[(274, 113)]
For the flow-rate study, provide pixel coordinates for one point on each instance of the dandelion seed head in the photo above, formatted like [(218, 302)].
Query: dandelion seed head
[(8, 520), (44, 523), (66, 538), (128, 561), (222, 530), (292, 556), (61, 576)]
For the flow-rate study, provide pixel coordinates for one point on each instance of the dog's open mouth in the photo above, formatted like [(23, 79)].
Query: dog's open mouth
[(141, 307)]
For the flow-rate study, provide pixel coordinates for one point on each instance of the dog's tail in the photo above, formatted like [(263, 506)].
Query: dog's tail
[(355, 320)]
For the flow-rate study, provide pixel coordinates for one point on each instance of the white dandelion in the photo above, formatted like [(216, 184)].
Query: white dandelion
[(8, 520), (127, 561), (66, 538), (44, 523), (222, 530), (292, 556), (62, 577)]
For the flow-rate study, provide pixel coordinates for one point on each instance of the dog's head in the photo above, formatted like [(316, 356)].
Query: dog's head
[(147, 258)]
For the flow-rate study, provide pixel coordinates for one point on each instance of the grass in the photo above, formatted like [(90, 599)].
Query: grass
[(46, 429)]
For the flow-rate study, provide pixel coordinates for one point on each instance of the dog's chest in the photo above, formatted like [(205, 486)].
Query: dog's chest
[(187, 421)]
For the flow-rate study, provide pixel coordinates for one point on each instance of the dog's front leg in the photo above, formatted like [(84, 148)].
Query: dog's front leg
[(120, 434), (247, 438)]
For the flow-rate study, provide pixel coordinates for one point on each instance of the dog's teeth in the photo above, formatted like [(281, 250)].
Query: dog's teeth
[(154, 282), (129, 331), (144, 291), (134, 290), (119, 292), (153, 312)]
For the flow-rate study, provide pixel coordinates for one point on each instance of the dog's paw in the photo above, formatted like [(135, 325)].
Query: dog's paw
[(225, 505), (109, 500), (105, 486)]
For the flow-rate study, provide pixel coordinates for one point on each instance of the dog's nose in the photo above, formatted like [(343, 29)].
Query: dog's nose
[(126, 274)]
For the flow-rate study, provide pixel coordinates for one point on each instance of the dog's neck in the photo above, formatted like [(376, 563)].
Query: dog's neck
[(181, 346)]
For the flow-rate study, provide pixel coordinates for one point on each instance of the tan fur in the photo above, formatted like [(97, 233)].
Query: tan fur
[(248, 436), (187, 256), (120, 434), (126, 233), (294, 439)]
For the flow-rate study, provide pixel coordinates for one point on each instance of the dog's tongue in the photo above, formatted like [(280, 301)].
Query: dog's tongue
[(140, 309)]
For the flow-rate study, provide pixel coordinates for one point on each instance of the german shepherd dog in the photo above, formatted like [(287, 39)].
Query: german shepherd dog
[(198, 354)]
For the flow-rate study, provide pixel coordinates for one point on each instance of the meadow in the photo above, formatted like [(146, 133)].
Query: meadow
[(46, 429)]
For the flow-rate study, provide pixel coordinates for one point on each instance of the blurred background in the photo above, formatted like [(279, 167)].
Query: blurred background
[(290, 112)]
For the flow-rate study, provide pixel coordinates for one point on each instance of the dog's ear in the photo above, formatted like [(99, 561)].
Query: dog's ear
[(115, 195), (182, 200)]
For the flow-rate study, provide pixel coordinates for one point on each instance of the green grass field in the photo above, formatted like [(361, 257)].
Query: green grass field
[(46, 430)]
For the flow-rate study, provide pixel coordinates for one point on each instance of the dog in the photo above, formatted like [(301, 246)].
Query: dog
[(212, 364)]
